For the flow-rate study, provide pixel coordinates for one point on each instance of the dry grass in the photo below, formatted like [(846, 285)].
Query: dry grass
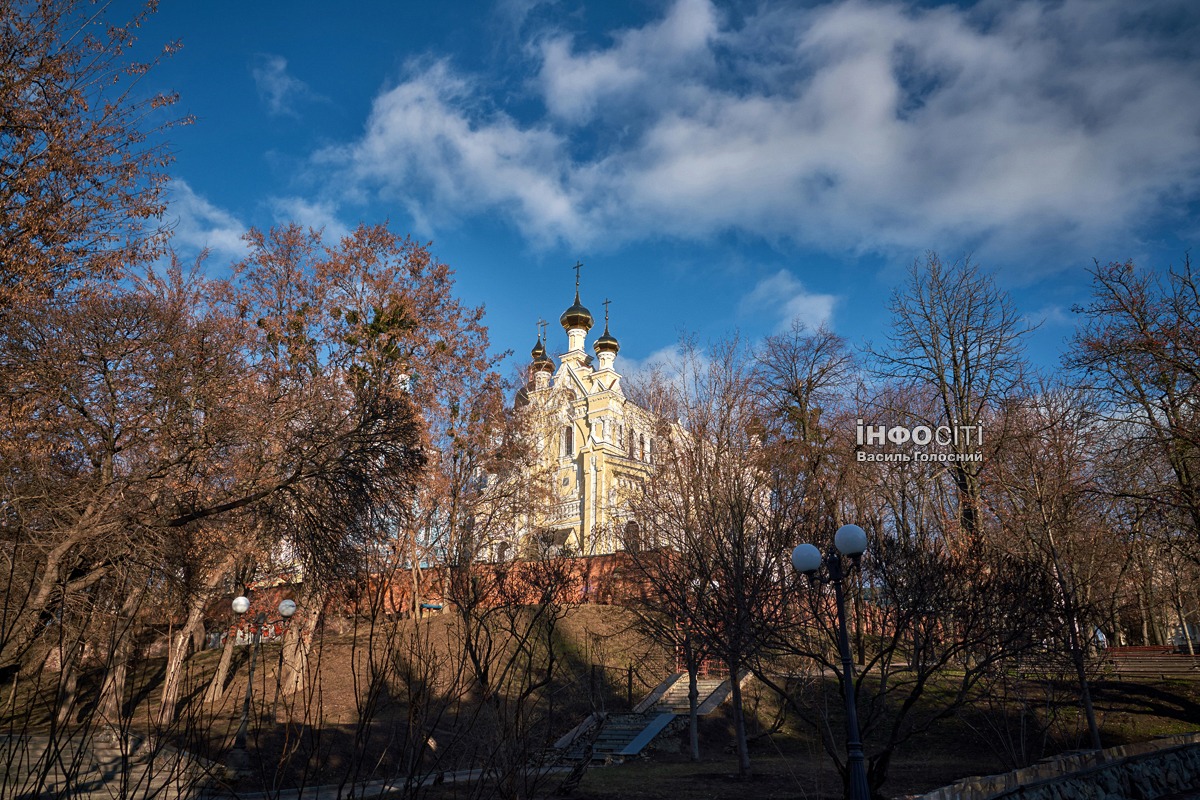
[(788, 760)]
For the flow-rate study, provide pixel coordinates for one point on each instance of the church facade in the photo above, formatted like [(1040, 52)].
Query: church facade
[(597, 445)]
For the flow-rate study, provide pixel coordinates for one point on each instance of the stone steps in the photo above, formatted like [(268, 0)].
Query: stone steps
[(676, 698), (75, 766), (614, 736), (617, 732)]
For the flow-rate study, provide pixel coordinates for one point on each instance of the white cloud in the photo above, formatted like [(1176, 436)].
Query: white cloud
[(316, 214), (782, 297), (1051, 316), (669, 363), (642, 63), (197, 224), (423, 148), (515, 14), (279, 91), (869, 126)]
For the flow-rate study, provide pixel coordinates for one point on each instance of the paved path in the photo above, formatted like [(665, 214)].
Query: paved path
[(367, 789)]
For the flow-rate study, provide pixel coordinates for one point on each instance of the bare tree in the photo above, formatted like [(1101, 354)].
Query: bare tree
[(1048, 501), (943, 625), (957, 336), (1139, 347), (803, 384), (507, 619), (725, 515)]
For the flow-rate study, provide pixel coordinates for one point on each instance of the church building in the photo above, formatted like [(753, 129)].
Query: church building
[(599, 446)]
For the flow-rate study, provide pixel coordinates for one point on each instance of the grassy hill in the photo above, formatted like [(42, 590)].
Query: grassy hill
[(407, 697)]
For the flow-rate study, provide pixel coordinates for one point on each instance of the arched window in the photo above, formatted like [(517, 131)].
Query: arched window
[(632, 536), (642, 447), (568, 441)]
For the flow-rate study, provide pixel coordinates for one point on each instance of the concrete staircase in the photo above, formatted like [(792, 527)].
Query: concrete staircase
[(614, 737), (37, 766), (628, 734), (675, 699)]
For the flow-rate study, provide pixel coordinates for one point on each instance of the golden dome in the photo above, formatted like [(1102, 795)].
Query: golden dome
[(577, 316), (541, 361), (607, 343)]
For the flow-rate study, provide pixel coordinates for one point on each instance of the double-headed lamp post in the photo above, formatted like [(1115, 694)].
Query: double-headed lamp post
[(849, 541), (241, 604)]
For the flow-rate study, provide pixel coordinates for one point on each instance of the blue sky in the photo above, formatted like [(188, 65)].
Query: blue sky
[(716, 166)]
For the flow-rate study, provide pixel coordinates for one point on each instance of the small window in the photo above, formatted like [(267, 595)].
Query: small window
[(568, 441), (632, 536)]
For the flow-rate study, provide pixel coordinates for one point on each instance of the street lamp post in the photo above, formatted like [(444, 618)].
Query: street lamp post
[(286, 609), (239, 759), (849, 541)]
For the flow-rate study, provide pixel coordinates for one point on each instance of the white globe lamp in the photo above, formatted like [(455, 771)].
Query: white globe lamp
[(806, 559), (850, 540)]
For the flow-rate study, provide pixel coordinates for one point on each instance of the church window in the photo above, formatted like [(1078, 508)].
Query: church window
[(632, 536), (568, 441)]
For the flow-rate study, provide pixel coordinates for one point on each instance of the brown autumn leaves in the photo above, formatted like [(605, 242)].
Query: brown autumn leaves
[(165, 431), (162, 430)]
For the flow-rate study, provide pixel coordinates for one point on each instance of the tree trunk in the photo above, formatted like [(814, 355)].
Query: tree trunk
[(739, 722), (1183, 626), (1085, 693), (112, 691), (860, 646), (24, 629), (299, 644), (1144, 613), (11, 705), (68, 681), (415, 573), (216, 687), (179, 648), (182, 640), (693, 717)]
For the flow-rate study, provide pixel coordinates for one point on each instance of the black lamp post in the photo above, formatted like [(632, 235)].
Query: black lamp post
[(849, 541), (238, 758), (286, 609)]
